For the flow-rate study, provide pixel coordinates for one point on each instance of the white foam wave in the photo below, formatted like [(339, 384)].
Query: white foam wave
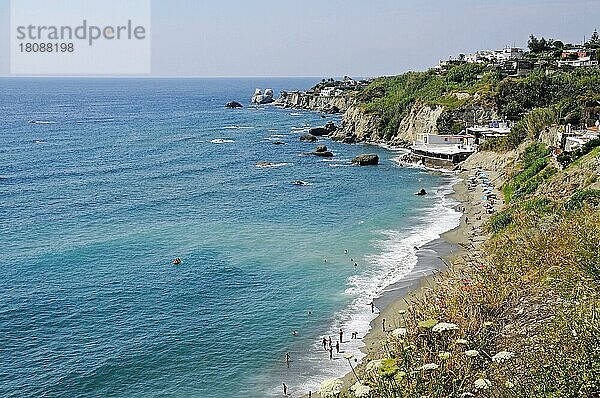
[(396, 258), (238, 127), (41, 122), (271, 165), (221, 141)]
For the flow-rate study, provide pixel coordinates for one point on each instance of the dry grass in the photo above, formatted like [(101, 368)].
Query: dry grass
[(532, 295)]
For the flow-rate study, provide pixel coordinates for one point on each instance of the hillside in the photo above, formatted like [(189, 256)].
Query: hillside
[(517, 316)]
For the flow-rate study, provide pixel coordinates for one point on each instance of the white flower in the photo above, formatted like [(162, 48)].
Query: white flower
[(360, 390), (471, 353), (445, 355), (462, 341), (502, 356), (482, 384), (466, 395), (429, 366), (488, 324), (330, 388), (509, 384), (374, 365), (399, 333), (443, 327)]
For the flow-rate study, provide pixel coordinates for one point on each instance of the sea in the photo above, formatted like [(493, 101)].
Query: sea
[(105, 181)]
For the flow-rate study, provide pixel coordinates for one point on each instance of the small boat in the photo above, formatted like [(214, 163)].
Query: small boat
[(177, 261)]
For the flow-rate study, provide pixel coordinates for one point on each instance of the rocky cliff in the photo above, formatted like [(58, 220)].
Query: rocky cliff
[(314, 102), (360, 126)]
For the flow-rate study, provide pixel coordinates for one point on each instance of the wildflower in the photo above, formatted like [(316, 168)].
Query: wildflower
[(482, 384), (330, 388), (488, 324), (502, 356), (401, 312), (462, 341), (445, 355), (360, 390), (471, 353), (429, 366), (509, 384), (443, 327), (400, 332)]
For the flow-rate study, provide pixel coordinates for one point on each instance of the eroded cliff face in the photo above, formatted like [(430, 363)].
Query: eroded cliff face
[(420, 119), (314, 102), (360, 126)]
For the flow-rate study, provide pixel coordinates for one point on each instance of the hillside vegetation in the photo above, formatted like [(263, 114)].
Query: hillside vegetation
[(520, 318), (539, 99)]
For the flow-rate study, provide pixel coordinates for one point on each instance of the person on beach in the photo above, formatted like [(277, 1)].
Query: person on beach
[(329, 340), (324, 343), (341, 335), (287, 359), (284, 389), (466, 220), (330, 352), (337, 347), (383, 325), (372, 307)]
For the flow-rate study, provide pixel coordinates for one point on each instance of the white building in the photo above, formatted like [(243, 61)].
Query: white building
[(442, 150), (494, 129), (496, 56)]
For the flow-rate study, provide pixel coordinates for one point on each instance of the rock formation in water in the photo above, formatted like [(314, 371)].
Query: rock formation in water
[(262, 98)]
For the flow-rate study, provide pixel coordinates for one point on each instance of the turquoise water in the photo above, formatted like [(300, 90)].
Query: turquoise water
[(117, 177)]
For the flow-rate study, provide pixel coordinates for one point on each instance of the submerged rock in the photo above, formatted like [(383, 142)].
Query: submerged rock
[(366, 160), (278, 143), (308, 138), (321, 148), (233, 104)]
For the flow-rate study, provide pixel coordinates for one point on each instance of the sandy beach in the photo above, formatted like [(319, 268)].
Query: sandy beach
[(433, 259)]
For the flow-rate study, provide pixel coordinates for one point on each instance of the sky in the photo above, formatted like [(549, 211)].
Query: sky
[(325, 38)]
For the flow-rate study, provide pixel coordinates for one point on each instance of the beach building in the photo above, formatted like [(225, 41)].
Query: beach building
[(442, 150), (494, 129)]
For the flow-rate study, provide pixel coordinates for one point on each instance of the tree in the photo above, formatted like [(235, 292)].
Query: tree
[(595, 39), (536, 45)]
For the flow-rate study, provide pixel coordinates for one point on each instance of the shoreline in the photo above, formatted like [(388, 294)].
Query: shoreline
[(433, 259)]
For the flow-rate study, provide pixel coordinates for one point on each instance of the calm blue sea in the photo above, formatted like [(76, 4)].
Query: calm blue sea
[(117, 177)]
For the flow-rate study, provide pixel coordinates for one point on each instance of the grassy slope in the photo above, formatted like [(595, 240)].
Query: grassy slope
[(534, 292)]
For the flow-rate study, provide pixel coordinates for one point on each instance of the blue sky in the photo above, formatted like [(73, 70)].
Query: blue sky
[(337, 37)]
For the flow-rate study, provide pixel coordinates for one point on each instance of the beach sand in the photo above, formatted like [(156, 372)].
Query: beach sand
[(433, 259)]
